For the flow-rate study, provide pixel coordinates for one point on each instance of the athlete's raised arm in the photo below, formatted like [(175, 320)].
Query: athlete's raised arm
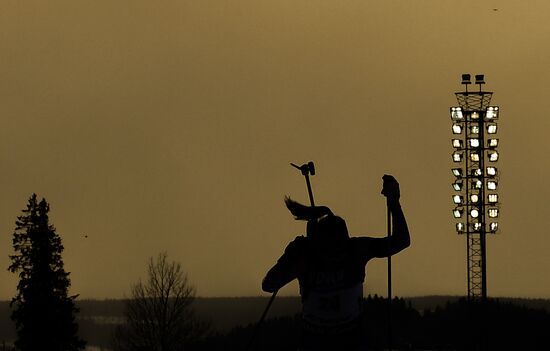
[(400, 239)]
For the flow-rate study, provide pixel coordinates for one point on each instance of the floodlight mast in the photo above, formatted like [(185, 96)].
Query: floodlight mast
[(473, 115)]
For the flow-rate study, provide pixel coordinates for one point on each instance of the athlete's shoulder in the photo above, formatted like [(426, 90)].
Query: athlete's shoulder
[(297, 245)]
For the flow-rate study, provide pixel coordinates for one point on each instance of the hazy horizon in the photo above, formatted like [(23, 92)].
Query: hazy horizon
[(155, 127)]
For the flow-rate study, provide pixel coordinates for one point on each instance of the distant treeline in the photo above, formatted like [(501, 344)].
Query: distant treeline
[(226, 313), (223, 312), (232, 318)]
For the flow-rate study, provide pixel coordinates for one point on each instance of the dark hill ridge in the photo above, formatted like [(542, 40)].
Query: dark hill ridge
[(228, 312)]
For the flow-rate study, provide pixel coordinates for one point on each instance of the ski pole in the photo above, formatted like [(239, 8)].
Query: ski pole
[(306, 169), (388, 215)]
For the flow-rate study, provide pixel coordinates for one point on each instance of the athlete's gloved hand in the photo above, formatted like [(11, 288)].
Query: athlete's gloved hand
[(390, 188)]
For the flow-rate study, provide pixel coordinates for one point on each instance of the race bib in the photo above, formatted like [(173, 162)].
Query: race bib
[(333, 307)]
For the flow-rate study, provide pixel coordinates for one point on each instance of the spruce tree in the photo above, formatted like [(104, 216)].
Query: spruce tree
[(43, 313)]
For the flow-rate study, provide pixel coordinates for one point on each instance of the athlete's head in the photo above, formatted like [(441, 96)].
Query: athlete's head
[(321, 222), (332, 228)]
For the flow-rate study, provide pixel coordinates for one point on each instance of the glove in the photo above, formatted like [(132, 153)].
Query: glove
[(390, 188)]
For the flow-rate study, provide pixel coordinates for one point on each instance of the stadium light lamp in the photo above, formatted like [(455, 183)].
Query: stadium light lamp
[(457, 172), (491, 171), (493, 156), (457, 156), (492, 184), (492, 128), (492, 143), (477, 172), (456, 114), (493, 226), (460, 227), (493, 212), (458, 144), (457, 212), (474, 213), (474, 156), (492, 113), (457, 185), (492, 198), (474, 142), (457, 129), (458, 199)]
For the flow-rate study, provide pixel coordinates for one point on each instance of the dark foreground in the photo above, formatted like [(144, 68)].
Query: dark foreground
[(418, 324), (458, 325)]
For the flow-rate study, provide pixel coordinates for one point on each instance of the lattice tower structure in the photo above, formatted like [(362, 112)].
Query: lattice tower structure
[(476, 179)]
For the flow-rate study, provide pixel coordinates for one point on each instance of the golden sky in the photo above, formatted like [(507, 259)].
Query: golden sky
[(170, 125)]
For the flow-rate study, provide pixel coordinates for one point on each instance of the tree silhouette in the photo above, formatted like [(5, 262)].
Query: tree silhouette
[(159, 315), (43, 313)]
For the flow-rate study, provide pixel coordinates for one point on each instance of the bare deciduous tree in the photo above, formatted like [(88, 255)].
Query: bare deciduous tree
[(159, 315)]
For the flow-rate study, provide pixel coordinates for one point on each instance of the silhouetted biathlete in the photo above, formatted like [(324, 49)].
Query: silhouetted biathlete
[(330, 268)]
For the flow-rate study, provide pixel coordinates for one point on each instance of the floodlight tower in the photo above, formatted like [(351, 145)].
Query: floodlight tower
[(476, 177)]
